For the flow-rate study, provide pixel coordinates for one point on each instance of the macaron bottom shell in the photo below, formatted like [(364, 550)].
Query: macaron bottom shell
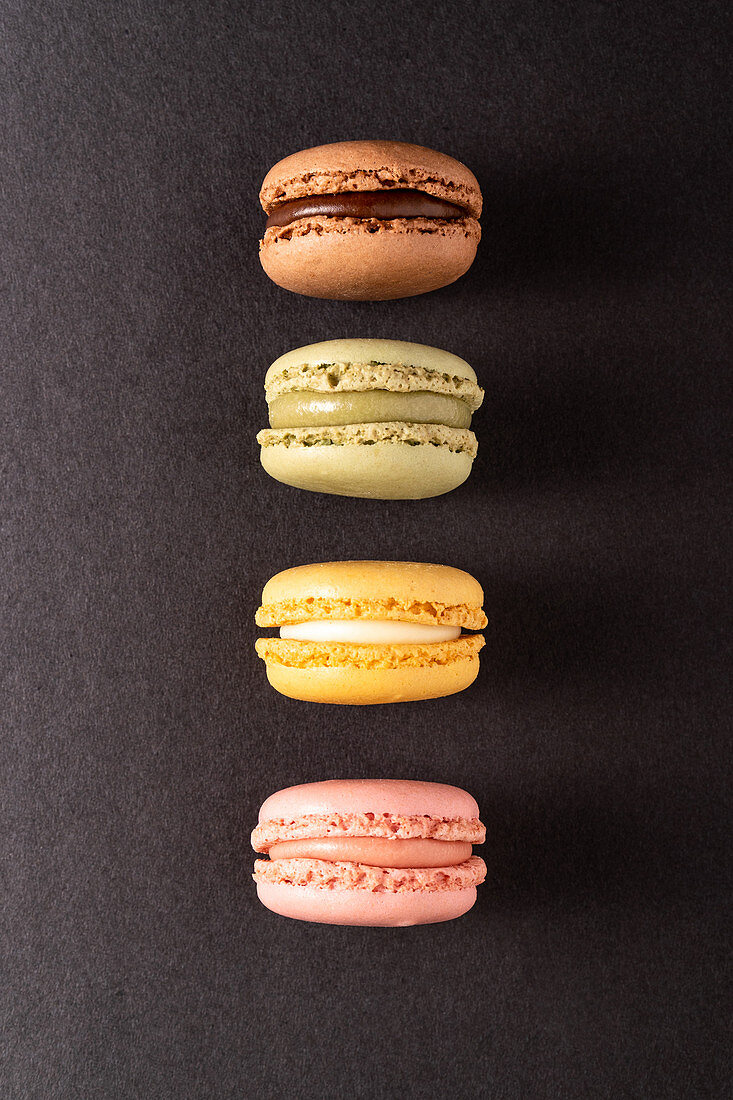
[(380, 471), (347, 685), (352, 260), (362, 907)]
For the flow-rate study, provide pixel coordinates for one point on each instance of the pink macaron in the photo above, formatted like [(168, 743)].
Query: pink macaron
[(380, 852)]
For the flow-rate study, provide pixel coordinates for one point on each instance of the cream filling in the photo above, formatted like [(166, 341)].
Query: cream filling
[(369, 632), (376, 851)]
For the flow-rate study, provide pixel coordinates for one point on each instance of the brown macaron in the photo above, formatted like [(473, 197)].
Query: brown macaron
[(369, 220)]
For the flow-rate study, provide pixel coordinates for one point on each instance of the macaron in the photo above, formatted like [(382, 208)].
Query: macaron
[(369, 220), (379, 852), (360, 632), (370, 418)]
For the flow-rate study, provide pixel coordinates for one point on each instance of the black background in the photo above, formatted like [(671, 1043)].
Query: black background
[(139, 734)]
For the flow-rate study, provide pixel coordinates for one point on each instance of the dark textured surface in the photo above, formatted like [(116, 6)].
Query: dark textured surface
[(139, 735)]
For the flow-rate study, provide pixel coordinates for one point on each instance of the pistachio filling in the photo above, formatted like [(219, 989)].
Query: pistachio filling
[(311, 409)]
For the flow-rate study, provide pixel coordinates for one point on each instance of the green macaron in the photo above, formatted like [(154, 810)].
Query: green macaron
[(370, 418)]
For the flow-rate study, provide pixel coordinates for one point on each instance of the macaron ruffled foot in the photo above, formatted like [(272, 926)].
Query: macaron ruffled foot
[(384, 852)]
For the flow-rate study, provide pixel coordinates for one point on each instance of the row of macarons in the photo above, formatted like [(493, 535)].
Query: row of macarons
[(370, 852), (389, 420), (375, 418)]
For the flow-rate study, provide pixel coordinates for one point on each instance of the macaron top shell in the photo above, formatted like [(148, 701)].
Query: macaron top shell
[(370, 166), (390, 352), (412, 591), (393, 352), (410, 798)]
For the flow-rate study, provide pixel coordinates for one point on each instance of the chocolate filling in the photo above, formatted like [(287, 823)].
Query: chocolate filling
[(382, 205)]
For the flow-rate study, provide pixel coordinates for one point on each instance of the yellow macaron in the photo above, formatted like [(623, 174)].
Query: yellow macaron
[(361, 632)]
